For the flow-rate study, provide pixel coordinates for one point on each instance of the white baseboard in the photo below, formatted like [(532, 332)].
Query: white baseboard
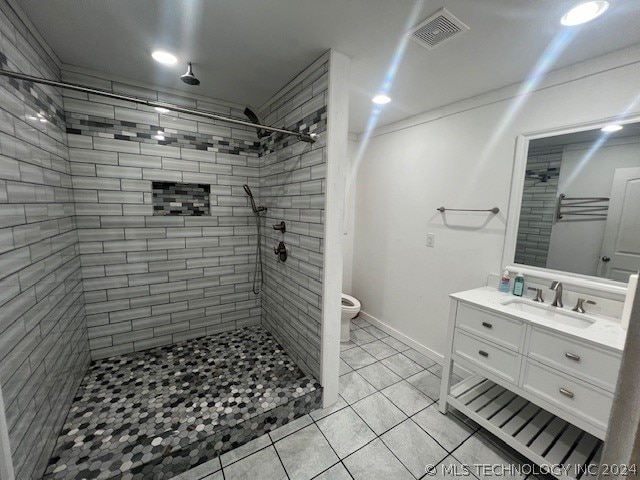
[(426, 351)]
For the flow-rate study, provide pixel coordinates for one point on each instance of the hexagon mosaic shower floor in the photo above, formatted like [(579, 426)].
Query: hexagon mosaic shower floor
[(159, 412)]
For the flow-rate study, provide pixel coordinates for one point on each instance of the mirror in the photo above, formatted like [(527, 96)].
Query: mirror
[(580, 203)]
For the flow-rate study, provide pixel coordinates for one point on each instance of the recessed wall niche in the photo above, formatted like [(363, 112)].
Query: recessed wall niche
[(186, 199)]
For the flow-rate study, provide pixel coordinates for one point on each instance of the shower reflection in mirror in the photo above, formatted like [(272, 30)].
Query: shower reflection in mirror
[(580, 203)]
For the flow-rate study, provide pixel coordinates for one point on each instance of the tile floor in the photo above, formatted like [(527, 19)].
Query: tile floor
[(156, 413), (384, 426)]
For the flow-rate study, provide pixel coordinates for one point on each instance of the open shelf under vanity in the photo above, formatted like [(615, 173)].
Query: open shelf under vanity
[(544, 438)]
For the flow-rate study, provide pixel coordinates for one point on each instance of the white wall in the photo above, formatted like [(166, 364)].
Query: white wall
[(337, 152), (447, 157), (349, 213), (576, 241)]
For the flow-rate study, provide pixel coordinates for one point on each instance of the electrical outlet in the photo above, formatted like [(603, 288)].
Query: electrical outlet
[(431, 240)]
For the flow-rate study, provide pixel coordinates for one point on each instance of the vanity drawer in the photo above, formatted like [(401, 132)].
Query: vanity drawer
[(575, 396), (501, 330), (591, 364), (499, 361)]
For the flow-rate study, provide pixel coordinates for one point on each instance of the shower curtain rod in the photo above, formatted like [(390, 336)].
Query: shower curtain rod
[(310, 138)]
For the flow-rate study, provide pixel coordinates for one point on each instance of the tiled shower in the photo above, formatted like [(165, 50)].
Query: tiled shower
[(538, 205), (92, 268), (156, 279)]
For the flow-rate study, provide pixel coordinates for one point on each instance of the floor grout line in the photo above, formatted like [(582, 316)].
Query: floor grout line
[(408, 417), (279, 457), (379, 437)]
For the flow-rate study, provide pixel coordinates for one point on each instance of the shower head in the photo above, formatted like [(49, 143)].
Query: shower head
[(247, 190), (189, 78), (253, 118)]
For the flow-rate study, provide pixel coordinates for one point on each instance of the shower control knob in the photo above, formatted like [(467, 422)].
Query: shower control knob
[(281, 251), (280, 226)]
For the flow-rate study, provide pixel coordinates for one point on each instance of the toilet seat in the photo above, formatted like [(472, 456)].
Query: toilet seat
[(350, 304), (350, 307)]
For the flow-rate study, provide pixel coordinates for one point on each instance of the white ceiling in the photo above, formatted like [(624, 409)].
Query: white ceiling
[(245, 50)]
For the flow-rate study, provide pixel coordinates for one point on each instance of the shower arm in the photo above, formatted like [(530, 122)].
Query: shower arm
[(310, 138)]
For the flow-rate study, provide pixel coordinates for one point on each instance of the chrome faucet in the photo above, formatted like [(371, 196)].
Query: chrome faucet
[(557, 301), (538, 297), (580, 305)]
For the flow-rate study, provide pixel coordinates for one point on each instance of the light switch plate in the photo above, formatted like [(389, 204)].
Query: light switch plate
[(431, 240)]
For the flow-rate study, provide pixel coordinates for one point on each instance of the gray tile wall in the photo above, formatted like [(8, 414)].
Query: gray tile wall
[(85, 267), (154, 280), (538, 206), (43, 339), (292, 187)]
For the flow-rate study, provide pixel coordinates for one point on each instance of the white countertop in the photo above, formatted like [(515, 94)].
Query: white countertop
[(605, 331)]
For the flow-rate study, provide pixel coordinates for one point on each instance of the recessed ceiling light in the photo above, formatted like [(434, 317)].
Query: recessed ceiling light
[(163, 57), (162, 110), (585, 12), (31, 117), (380, 99), (611, 128)]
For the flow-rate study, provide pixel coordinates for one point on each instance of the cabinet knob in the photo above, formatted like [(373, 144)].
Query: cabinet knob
[(566, 393), (483, 353), (487, 325), (606, 259)]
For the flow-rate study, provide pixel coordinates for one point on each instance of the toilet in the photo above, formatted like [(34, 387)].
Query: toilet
[(350, 309)]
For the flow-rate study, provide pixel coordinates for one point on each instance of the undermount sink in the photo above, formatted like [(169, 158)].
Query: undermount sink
[(571, 319)]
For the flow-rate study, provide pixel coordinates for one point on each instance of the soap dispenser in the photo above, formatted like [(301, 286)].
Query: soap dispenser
[(505, 282), (518, 285)]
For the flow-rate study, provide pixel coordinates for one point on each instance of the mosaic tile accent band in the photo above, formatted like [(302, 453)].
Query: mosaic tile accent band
[(315, 122), (156, 413), (35, 97), (142, 132), (171, 198)]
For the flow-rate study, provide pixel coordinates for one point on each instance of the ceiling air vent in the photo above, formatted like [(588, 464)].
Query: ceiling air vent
[(439, 28)]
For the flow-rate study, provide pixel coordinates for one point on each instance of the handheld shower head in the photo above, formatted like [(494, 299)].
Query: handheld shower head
[(189, 78), (254, 207)]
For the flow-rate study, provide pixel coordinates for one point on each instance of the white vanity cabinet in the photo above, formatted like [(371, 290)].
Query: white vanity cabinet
[(545, 391), (489, 341)]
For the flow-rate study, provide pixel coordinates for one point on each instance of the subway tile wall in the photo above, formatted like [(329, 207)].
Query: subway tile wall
[(154, 280), (87, 270), (538, 205), (43, 339), (292, 187)]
